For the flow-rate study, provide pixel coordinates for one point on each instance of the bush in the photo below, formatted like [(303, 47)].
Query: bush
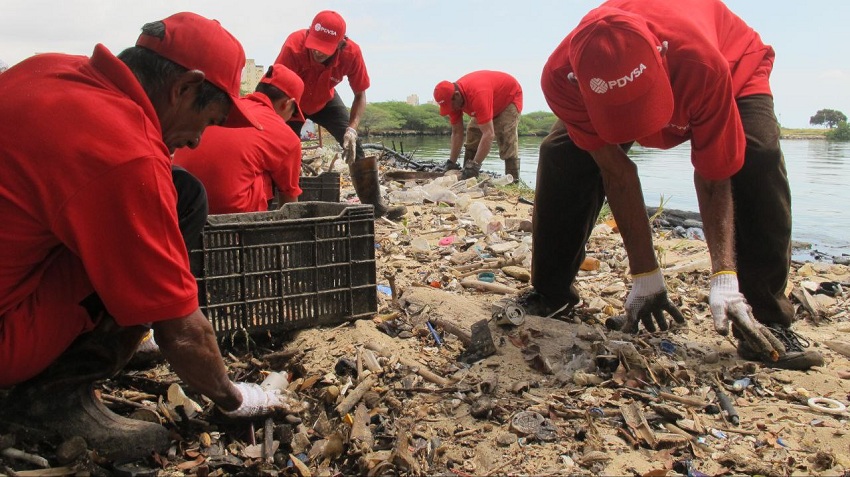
[(839, 133)]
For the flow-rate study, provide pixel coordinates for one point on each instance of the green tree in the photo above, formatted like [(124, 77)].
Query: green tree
[(840, 133), (829, 117), (537, 123), (377, 118)]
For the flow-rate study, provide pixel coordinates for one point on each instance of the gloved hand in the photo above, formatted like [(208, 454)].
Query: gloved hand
[(470, 169), (728, 304), (257, 401), (648, 299), (349, 145)]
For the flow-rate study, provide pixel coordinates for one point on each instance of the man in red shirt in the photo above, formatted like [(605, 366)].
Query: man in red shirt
[(322, 56), (96, 225), (662, 73), (493, 100), (239, 166)]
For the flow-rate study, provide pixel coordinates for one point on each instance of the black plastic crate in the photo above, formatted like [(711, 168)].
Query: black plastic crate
[(323, 188), (307, 264)]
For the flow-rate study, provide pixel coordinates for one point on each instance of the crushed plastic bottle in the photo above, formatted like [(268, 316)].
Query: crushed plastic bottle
[(503, 181), (483, 218), (415, 195)]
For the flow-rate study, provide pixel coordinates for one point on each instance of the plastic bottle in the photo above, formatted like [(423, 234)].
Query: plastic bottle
[(503, 181), (411, 196), (419, 244), (480, 214)]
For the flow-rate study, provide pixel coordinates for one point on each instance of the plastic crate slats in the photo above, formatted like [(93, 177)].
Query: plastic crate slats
[(308, 264), (324, 187)]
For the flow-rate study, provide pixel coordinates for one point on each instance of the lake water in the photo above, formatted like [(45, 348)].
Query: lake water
[(819, 172)]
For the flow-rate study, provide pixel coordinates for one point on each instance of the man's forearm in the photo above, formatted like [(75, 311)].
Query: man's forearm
[(717, 212), (456, 142), (357, 108), (623, 189), (484, 147), (191, 349)]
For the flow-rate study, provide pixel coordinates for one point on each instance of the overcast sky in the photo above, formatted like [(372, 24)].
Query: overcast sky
[(411, 45)]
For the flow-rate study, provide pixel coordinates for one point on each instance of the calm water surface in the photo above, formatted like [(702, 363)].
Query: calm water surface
[(819, 172)]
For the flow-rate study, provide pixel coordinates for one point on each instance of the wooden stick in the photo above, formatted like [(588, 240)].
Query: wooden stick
[(17, 454), (464, 336), (354, 396), (417, 367), (683, 400), (490, 287), (268, 440)]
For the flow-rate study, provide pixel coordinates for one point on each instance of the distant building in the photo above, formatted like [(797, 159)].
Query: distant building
[(432, 102), (251, 76), (413, 100)]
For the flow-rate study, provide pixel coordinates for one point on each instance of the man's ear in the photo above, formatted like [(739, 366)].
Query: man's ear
[(186, 82)]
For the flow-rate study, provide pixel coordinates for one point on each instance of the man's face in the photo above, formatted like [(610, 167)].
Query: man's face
[(457, 101), (318, 56), (183, 123)]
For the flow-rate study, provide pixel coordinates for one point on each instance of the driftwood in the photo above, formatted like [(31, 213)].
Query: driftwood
[(671, 218), (354, 397), (418, 367)]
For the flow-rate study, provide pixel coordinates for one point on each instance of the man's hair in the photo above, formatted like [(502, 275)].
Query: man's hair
[(273, 92), (157, 73)]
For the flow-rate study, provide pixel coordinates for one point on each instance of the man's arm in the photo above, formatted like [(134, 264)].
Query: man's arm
[(623, 189), (189, 345), (487, 136), (457, 141), (357, 108), (716, 209)]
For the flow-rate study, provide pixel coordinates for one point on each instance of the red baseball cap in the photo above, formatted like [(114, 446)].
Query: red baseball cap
[(326, 31), (198, 43), (289, 82), (443, 93), (621, 75)]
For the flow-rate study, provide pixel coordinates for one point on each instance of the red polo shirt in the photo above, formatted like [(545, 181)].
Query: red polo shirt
[(239, 165), (86, 173), (713, 57), (321, 79), (486, 94)]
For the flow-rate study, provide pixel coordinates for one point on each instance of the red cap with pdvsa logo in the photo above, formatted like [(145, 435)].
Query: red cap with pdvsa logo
[(325, 33), (621, 75), (198, 43), (443, 93)]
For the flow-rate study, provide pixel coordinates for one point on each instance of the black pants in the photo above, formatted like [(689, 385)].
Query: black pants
[(570, 194), (192, 207), (335, 118)]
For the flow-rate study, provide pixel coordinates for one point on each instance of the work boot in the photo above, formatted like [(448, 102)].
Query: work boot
[(470, 169), (364, 176), (468, 155), (512, 168), (449, 166), (60, 401), (795, 358), (534, 303)]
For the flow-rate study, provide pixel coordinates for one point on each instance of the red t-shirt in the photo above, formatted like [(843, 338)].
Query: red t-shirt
[(239, 165), (85, 168), (486, 94), (321, 79), (713, 57)]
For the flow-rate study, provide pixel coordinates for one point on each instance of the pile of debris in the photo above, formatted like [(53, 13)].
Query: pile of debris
[(452, 377)]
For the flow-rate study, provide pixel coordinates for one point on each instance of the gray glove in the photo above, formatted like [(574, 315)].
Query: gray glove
[(470, 169), (349, 145), (647, 300)]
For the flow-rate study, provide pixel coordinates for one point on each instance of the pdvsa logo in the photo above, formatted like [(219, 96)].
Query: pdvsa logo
[(600, 86), (322, 29)]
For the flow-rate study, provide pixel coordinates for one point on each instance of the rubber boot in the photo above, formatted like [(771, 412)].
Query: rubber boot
[(364, 176), (512, 168), (60, 402), (468, 155)]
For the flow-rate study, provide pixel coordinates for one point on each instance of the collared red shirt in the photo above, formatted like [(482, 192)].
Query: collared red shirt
[(713, 58), (239, 165), (85, 169), (321, 79), (486, 94)]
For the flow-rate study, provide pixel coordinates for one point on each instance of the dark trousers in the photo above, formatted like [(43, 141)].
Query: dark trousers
[(192, 207), (335, 118), (570, 194)]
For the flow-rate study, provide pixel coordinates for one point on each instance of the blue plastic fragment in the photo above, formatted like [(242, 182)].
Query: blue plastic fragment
[(386, 290), (667, 347)]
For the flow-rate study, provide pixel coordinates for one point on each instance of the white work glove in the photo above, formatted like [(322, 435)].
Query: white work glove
[(349, 145), (648, 300), (257, 401), (729, 305)]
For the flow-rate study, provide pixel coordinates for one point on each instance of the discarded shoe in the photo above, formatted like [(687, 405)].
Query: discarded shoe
[(535, 303), (796, 357), (450, 166)]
